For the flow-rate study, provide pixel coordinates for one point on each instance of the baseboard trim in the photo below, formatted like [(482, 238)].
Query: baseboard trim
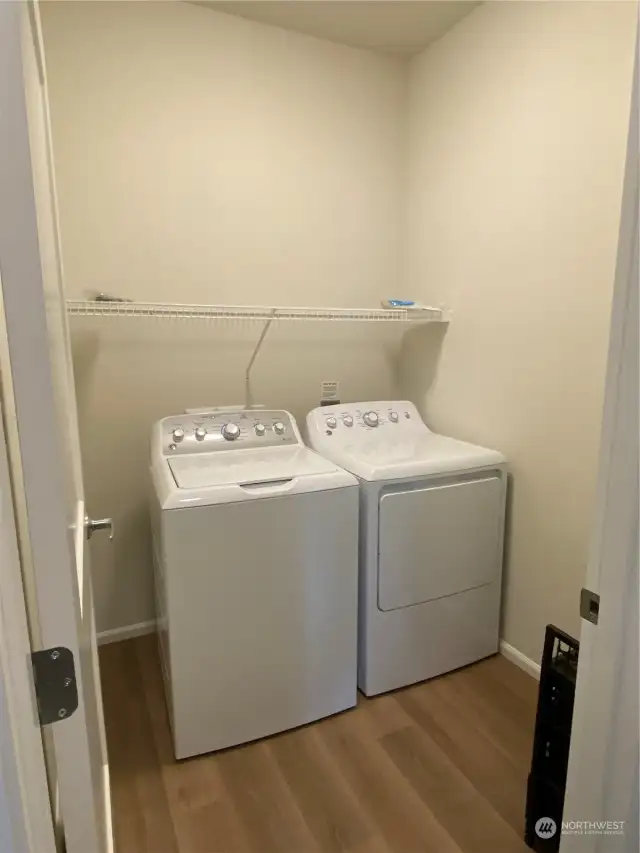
[(126, 632), (512, 654), (108, 814)]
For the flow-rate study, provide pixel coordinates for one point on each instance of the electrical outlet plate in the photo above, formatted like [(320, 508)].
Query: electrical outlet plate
[(330, 393)]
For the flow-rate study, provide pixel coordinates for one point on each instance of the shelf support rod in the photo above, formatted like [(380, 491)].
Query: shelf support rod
[(248, 397)]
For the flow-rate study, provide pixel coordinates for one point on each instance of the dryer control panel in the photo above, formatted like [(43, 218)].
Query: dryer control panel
[(212, 430), (352, 422)]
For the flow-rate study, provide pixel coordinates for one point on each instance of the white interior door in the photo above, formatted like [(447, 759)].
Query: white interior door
[(26, 820), (602, 783), (39, 401)]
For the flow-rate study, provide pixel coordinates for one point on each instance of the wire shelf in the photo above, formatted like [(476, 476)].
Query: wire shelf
[(115, 308)]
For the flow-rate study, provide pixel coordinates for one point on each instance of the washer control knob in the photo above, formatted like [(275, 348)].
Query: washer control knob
[(177, 435), (393, 416), (347, 421), (200, 433), (370, 419), (260, 430), (332, 423), (278, 428), (231, 432)]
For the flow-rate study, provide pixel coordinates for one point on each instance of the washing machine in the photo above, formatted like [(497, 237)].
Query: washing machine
[(431, 540), (256, 577)]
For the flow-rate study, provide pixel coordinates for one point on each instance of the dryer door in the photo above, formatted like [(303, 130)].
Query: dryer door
[(439, 539)]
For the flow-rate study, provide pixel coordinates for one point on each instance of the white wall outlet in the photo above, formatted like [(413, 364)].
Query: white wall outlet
[(330, 393)]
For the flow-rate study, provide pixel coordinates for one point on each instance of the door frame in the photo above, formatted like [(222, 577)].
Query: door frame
[(600, 746)]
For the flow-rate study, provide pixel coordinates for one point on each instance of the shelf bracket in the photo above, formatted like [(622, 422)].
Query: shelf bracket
[(248, 397)]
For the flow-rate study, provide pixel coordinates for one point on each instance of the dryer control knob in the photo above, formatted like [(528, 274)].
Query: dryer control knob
[(201, 434), (260, 430), (278, 428), (347, 421), (177, 435), (332, 423), (231, 432), (394, 417), (370, 419)]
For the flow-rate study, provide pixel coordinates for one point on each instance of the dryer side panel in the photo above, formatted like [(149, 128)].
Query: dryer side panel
[(437, 540)]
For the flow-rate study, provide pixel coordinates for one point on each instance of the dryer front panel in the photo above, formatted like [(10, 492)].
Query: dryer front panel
[(437, 540)]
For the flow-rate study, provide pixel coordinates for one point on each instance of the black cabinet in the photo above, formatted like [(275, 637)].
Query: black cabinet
[(548, 776)]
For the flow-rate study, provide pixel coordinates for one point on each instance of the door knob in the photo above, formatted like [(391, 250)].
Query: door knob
[(93, 524)]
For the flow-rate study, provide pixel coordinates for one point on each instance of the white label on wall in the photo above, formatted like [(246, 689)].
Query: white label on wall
[(330, 392)]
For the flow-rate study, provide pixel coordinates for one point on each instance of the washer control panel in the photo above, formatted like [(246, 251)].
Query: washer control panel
[(226, 430), (351, 421)]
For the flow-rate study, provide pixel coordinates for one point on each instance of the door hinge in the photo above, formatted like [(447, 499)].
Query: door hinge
[(54, 674), (589, 605)]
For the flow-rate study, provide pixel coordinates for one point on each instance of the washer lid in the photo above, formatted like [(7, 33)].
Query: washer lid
[(383, 458), (248, 467)]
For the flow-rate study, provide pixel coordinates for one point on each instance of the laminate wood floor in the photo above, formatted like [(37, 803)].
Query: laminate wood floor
[(439, 767)]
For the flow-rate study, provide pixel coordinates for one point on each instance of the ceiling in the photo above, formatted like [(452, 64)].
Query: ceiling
[(400, 27)]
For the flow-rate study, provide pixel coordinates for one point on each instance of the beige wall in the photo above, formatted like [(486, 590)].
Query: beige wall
[(202, 157), (205, 158), (518, 121)]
